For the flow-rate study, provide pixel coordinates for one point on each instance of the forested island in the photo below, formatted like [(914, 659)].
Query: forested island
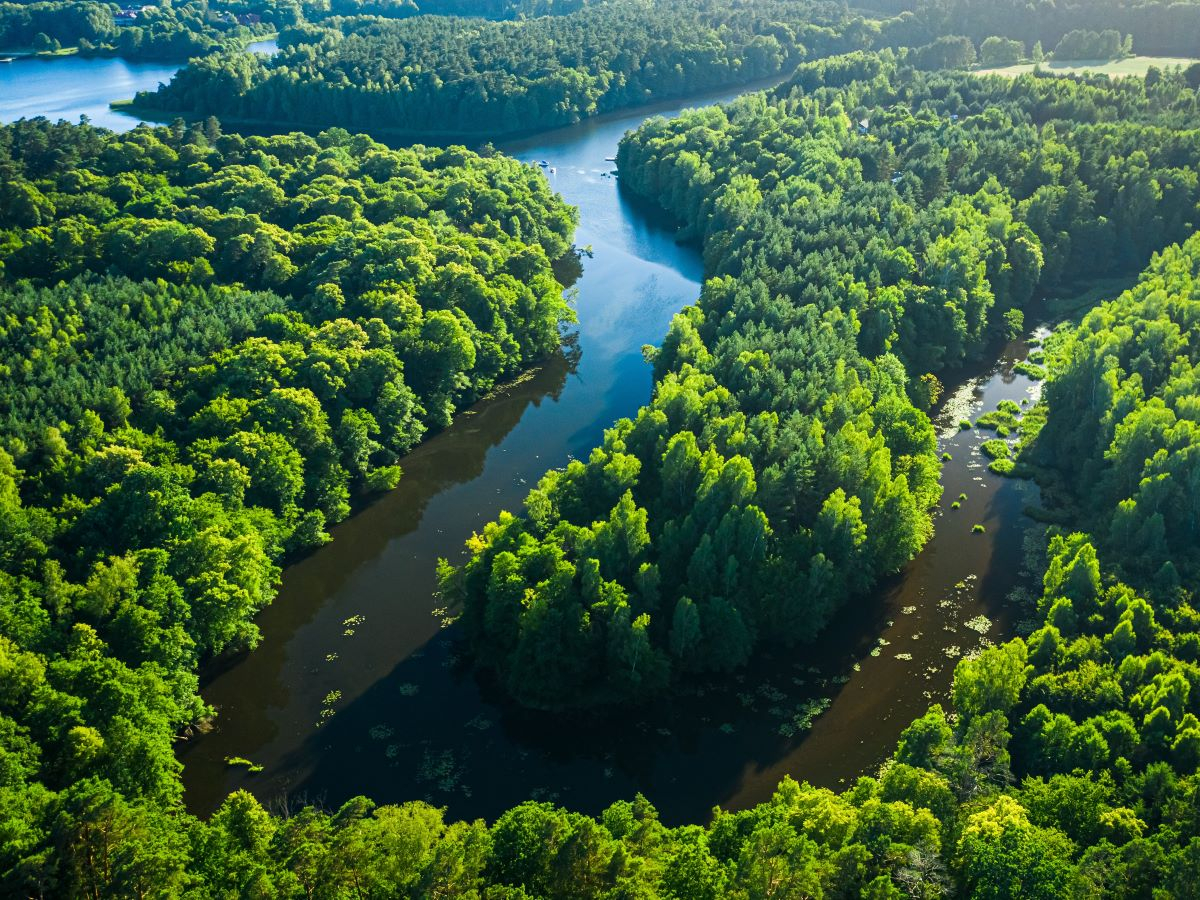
[(448, 76), (213, 345), (445, 77)]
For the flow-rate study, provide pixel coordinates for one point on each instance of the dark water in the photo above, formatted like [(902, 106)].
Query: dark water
[(887, 659), (413, 721), (396, 674), (355, 689)]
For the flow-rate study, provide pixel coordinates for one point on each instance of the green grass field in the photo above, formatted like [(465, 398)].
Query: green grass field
[(1116, 68)]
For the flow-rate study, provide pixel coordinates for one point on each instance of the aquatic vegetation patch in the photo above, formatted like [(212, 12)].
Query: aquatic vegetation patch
[(981, 624), (440, 769), (996, 449), (1030, 370), (240, 761), (1004, 467), (1004, 419), (803, 716)]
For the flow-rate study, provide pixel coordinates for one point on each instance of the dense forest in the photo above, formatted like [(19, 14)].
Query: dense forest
[(438, 75), (192, 28), (212, 344), (784, 463), (1130, 464), (193, 390), (1066, 767)]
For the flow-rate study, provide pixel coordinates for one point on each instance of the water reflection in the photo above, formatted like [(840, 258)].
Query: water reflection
[(435, 730), (354, 620), (355, 690), (68, 87), (264, 692), (381, 563)]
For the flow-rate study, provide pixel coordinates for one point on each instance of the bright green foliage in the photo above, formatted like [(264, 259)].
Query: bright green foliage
[(1004, 855), (92, 344), (943, 236), (185, 29), (1121, 420), (996, 448), (776, 474), (781, 447), (227, 377), (1082, 43), (175, 31), (1068, 769), (998, 51), (1004, 420), (201, 395), (431, 261), (1157, 27)]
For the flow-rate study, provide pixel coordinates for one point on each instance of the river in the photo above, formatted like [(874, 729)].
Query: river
[(356, 689)]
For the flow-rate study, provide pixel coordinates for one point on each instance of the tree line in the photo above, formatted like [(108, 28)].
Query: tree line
[(1131, 464), (172, 31), (434, 75), (431, 75), (196, 28), (211, 342)]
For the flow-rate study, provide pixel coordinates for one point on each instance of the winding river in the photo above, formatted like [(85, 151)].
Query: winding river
[(355, 687)]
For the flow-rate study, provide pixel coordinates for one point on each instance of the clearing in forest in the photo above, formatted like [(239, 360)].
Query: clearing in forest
[(1116, 68)]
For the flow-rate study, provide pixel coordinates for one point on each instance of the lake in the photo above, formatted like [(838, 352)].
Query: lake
[(67, 87)]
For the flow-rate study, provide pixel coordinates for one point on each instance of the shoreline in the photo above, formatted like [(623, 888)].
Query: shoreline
[(130, 107)]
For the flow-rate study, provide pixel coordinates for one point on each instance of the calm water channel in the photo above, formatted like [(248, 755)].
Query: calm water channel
[(353, 628)]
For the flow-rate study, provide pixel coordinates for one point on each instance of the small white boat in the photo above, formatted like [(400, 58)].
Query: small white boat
[(4, 59), (553, 171), (610, 159)]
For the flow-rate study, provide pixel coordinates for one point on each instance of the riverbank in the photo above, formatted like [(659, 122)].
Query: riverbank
[(30, 53), (381, 563), (409, 718), (68, 87), (399, 136), (418, 722), (355, 621)]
